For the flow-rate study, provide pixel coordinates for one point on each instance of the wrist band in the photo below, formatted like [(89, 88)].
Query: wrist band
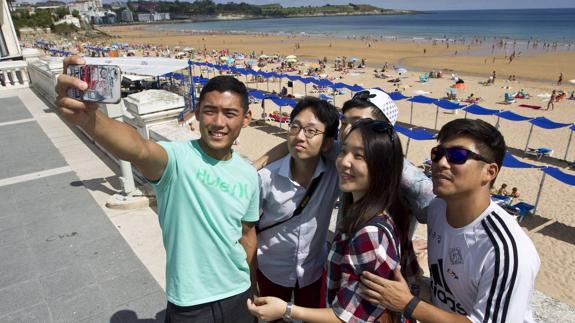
[(287, 314), (410, 307)]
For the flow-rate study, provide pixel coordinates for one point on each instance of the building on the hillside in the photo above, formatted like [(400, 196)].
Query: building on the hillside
[(85, 7), (127, 15), (151, 17), (69, 19)]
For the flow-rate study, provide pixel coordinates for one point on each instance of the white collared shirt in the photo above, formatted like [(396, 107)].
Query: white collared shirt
[(295, 251)]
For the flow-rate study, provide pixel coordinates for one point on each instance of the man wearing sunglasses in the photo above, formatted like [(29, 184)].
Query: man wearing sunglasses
[(483, 266)]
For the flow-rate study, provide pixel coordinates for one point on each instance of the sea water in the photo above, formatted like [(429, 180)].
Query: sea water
[(544, 25)]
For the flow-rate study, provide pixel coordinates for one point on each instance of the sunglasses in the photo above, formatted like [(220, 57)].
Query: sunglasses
[(363, 95), (378, 126), (455, 155)]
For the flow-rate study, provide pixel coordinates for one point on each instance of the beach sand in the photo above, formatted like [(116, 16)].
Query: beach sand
[(552, 229)]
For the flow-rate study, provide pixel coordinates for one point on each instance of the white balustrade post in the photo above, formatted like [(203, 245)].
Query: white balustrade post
[(24, 76), (15, 81)]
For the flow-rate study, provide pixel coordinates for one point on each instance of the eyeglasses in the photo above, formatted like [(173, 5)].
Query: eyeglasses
[(363, 95), (379, 126), (308, 132), (455, 155)]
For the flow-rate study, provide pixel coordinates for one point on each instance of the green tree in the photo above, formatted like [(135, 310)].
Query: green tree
[(76, 13), (61, 12)]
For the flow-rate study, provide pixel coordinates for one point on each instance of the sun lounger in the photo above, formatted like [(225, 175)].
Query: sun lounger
[(423, 78), (502, 200), (521, 210), (509, 98), (539, 152)]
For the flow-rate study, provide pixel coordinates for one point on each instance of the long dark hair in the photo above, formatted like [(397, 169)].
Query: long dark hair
[(384, 157)]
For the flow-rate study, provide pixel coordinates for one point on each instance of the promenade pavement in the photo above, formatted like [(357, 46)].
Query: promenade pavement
[(64, 256)]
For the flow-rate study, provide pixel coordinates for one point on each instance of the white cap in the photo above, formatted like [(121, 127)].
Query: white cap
[(384, 103)]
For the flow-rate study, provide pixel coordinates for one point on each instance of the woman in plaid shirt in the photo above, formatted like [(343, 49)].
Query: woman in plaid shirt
[(372, 236)]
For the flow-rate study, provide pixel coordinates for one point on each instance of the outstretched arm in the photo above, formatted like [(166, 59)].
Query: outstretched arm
[(118, 138), (273, 308), (277, 152), (395, 295)]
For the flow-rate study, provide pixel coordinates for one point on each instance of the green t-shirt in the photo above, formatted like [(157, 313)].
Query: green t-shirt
[(201, 204)]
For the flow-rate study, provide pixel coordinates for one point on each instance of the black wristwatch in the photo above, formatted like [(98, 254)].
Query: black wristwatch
[(410, 307)]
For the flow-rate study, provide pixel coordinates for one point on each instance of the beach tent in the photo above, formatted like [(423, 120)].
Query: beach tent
[(419, 99), (257, 94), (508, 115), (149, 66), (306, 81), (479, 110), (396, 96), (355, 88), (282, 102), (444, 104), (544, 123), (327, 97), (417, 134), (558, 175), (511, 161)]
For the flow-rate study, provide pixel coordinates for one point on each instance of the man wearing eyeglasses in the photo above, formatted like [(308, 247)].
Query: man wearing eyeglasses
[(483, 266), (298, 193)]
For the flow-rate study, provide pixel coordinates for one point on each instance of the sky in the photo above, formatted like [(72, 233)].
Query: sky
[(408, 4), (429, 4)]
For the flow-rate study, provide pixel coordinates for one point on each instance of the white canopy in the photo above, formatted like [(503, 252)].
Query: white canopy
[(134, 78), (149, 66)]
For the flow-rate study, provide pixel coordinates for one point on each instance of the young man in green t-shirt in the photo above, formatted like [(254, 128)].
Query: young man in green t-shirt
[(208, 198)]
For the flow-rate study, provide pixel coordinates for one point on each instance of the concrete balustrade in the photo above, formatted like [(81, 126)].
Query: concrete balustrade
[(14, 75)]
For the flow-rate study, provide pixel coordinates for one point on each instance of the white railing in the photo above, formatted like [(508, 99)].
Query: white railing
[(14, 75), (43, 75)]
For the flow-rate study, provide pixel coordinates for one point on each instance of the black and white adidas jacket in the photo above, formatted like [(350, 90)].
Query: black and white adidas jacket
[(485, 270)]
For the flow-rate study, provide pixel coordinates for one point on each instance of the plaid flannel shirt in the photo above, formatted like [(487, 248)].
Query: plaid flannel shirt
[(368, 250)]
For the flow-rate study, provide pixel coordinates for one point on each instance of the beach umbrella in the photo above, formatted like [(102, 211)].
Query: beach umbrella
[(572, 128), (558, 175), (355, 88), (291, 57), (544, 123), (264, 56), (419, 99), (396, 96), (460, 86), (354, 59), (444, 104), (417, 134), (508, 115), (572, 81), (401, 70), (291, 60)]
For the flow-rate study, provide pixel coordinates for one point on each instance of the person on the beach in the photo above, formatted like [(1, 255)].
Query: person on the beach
[(514, 193), (208, 198), (292, 236), (551, 103), (372, 236), (502, 190), (482, 264), (560, 80), (375, 104)]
